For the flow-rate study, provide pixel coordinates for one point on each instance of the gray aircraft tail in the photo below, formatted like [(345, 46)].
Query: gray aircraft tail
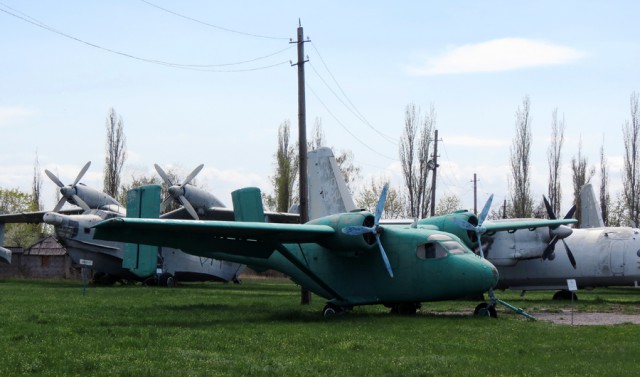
[(328, 192), (142, 202), (591, 213)]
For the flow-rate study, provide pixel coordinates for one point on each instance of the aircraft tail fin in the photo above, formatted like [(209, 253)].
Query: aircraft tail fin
[(591, 214), (247, 204), (5, 254), (142, 202), (328, 192)]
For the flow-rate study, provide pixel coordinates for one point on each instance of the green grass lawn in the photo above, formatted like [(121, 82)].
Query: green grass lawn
[(259, 328)]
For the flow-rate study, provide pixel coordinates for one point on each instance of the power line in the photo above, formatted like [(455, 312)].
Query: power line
[(202, 67), (352, 108), (344, 127), (211, 25)]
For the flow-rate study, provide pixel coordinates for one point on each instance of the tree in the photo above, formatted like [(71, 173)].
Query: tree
[(605, 199), (115, 153), (370, 195), (36, 186), (521, 200), (631, 176), (581, 175), (286, 172), (554, 157), (16, 201), (448, 204), (414, 158)]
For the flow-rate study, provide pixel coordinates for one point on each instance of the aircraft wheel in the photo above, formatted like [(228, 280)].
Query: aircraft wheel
[(166, 280), (150, 281), (329, 311), (565, 295), (485, 310)]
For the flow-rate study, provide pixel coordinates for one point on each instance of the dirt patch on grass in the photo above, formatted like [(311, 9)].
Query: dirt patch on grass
[(588, 319)]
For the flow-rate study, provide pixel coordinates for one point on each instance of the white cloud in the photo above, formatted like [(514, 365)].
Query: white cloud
[(10, 114), (498, 55)]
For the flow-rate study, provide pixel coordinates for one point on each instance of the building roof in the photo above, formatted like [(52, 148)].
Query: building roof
[(46, 246)]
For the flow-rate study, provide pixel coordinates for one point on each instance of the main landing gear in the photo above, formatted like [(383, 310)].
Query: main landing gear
[(332, 310), (565, 295), (486, 310)]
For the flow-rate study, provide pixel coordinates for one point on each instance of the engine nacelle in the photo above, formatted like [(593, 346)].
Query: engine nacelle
[(348, 244), (445, 223)]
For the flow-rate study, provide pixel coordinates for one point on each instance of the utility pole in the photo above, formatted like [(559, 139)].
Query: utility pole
[(305, 295), (433, 164)]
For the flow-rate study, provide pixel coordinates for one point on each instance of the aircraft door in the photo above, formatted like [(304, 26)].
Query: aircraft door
[(617, 258)]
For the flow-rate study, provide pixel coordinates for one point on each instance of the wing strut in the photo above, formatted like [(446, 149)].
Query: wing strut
[(292, 258)]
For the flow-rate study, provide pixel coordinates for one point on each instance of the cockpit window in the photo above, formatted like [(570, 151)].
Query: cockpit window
[(454, 247), (439, 237), (432, 250)]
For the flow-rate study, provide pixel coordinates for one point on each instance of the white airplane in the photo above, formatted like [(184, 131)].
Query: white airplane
[(73, 229)]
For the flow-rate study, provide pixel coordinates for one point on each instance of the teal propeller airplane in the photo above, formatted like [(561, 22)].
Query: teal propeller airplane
[(348, 258)]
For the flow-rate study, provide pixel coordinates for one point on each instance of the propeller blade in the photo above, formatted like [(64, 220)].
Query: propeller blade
[(463, 224), (550, 247), (163, 175), (384, 256), (381, 201), (552, 216), (165, 203), (188, 207), (570, 255), (569, 214), (53, 178), (192, 175), (79, 177), (485, 210), (356, 230), (80, 203), (59, 204)]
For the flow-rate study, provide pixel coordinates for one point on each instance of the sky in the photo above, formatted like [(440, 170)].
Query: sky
[(209, 82)]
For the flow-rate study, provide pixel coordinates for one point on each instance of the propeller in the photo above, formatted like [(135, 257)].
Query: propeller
[(69, 192), (479, 229), (376, 229), (559, 233), (176, 192)]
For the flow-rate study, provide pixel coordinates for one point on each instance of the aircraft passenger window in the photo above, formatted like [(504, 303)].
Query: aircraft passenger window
[(431, 251), (87, 230)]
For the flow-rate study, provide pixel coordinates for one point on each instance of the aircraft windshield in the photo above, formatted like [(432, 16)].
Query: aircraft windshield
[(454, 247)]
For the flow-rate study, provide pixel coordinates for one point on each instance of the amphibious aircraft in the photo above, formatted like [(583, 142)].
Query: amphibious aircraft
[(73, 229)]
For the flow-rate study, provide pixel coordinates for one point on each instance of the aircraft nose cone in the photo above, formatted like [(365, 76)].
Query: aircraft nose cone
[(491, 274), (562, 231)]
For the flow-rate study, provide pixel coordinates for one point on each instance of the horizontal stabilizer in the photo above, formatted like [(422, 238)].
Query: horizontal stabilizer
[(5, 255)]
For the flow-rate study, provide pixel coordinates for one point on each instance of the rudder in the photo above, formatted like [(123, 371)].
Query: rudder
[(142, 202)]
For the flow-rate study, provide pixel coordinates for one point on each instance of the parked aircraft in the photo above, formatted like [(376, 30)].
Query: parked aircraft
[(347, 258), (73, 229), (604, 256)]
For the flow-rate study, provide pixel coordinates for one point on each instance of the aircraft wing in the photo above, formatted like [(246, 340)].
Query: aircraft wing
[(226, 214), (492, 226), (252, 239), (33, 217)]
